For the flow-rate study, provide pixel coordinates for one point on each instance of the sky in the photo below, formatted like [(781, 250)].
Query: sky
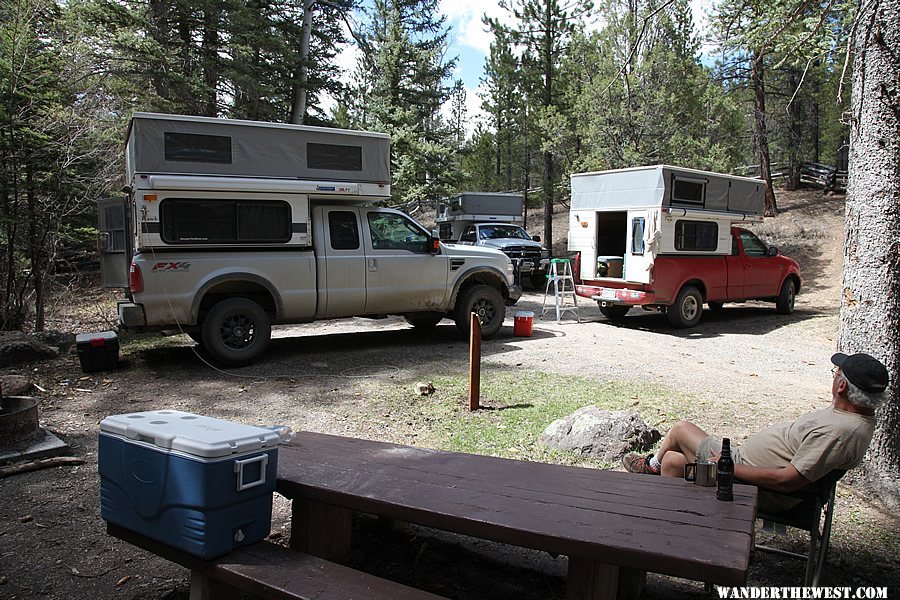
[(471, 43)]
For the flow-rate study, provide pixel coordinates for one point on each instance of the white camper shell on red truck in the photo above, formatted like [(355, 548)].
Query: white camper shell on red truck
[(666, 238)]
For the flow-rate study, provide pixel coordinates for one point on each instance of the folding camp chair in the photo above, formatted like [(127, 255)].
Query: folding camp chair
[(814, 514)]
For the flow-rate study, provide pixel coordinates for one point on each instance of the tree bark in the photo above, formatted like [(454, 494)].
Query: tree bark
[(298, 111), (759, 133), (870, 305), (794, 131), (548, 102)]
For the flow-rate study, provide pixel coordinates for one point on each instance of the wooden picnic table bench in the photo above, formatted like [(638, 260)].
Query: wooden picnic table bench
[(270, 571), (613, 526)]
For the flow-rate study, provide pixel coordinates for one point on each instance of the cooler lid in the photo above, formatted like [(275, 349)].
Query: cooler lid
[(189, 433)]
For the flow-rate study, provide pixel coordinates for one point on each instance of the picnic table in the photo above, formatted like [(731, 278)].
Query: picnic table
[(613, 526)]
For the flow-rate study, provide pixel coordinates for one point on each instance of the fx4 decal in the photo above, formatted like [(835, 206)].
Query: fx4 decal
[(172, 266)]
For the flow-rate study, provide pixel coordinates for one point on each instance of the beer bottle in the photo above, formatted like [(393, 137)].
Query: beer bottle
[(725, 473)]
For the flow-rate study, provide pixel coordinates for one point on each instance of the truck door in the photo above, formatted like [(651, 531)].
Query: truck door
[(401, 273), (341, 264), (762, 275), (113, 242)]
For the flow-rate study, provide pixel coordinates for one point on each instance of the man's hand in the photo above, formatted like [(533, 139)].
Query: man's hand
[(714, 456)]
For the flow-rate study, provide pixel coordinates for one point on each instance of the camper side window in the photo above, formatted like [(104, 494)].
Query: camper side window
[(192, 221), (688, 191), (637, 235), (696, 235), (194, 147), (333, 157)]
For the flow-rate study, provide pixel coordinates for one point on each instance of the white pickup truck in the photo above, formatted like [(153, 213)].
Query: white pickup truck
[(224, 255)]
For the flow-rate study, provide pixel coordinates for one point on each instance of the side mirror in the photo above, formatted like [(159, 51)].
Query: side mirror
[(434, 245), (536, 238), (773, 251)]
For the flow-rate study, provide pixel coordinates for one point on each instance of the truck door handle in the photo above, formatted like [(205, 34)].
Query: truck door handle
[(373, 264)]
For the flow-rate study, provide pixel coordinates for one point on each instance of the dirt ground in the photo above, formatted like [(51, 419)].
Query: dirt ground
[(746, 366)]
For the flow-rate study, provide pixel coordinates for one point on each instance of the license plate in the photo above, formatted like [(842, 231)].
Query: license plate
[(608, 294)]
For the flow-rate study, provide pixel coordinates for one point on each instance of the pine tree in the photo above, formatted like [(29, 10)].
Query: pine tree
[(403, 55), (543, 29)]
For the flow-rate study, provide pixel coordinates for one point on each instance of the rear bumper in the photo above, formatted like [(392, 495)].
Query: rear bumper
[(616, 296), (131, 315)]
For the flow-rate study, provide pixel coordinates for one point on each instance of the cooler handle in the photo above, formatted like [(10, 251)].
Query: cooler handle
[(239, 469)]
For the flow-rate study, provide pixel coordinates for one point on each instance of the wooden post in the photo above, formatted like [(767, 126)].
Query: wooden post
[(474, 361)]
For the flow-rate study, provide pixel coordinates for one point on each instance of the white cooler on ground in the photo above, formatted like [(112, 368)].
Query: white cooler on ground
[(199, 484)]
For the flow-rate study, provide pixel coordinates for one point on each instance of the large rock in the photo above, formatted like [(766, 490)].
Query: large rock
[(603, 434), (15, 385), (17, 348)]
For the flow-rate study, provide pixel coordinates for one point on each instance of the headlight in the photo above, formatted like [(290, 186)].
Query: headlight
[(509, 268)]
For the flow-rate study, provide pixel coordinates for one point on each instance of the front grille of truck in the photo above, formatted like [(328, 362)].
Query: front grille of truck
[(516, 252)]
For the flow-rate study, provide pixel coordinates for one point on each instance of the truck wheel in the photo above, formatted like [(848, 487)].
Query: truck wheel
[(484, 301), (784, 304), (686, 310), (614, 312), (236, 331), (424, 320)]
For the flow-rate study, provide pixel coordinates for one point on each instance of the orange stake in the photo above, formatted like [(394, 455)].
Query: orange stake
[(474, 362)]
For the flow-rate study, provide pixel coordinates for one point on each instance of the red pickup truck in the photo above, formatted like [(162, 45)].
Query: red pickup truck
[(680, 285)]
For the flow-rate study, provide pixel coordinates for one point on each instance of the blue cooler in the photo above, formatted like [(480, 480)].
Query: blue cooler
[(199, 484)]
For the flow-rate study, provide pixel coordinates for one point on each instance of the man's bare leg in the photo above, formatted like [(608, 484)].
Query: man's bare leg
[(679, 447)]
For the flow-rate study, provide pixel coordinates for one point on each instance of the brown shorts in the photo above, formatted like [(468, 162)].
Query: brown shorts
[(714, 443)]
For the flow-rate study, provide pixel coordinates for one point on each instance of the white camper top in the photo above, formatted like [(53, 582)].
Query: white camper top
[(196, 435), (667, 186)]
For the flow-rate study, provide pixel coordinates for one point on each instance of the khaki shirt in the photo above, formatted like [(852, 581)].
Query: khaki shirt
[(816, 443)]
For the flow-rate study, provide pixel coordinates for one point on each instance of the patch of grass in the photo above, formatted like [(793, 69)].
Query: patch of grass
[(516, 408), (130, 342)]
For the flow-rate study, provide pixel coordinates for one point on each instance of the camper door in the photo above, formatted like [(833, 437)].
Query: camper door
[(642, 244), (113, 242)]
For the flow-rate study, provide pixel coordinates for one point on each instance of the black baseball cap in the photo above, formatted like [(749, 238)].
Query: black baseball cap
[(864, 371)]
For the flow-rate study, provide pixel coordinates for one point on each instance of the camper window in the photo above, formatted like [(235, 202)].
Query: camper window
[(343, 230), (690, 191), (194, 221), (194, 147), (696, 235), (637, 235), (333, 157)]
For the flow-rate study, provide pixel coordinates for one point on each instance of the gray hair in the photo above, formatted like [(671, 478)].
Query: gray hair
[(862, 398)]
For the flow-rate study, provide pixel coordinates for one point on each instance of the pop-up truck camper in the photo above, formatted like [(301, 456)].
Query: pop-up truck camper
[(494, 220), (229, 227), (666, 238)]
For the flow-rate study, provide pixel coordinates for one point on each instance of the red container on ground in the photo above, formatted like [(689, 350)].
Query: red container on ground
[(523, 322)]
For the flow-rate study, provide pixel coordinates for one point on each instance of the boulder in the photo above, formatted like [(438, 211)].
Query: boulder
[(603, 434), (17, 349), (15, 385)]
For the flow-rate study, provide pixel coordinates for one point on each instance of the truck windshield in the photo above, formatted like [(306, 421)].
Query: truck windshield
[(493, 232)]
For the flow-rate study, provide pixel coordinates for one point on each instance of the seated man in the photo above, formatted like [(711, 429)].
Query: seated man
[(788, 456)]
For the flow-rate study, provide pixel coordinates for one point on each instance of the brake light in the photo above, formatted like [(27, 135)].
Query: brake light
[(135, 279)]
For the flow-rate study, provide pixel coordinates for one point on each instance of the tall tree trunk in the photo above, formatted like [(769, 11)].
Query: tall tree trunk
[(210, 60), (159, 31), (794, 131), (870, 306), (298, 110), (759, 132), (548, 102), (35, 247)]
